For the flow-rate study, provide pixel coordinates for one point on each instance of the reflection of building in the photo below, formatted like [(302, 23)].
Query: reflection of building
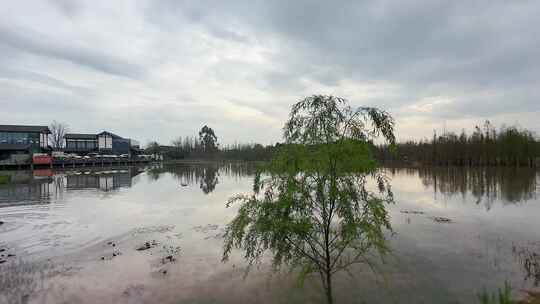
[(103, 143), (38, 187), (22, 188), (102, 180), (18, 142)]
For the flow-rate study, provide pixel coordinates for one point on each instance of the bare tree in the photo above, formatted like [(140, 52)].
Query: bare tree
[(58, 130)]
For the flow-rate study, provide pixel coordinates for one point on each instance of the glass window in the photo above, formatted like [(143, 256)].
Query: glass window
[(3, 138), (33, 138), (22, 138)]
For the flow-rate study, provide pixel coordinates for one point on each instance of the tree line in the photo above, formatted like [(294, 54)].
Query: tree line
[(206, 146), (485, 146)]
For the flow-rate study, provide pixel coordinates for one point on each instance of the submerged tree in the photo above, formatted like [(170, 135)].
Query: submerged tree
[(312, 207)]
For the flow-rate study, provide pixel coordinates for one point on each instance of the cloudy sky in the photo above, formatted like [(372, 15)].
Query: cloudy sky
[(159, 69)]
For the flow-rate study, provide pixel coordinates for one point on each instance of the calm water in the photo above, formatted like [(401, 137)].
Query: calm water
[(456, 232)]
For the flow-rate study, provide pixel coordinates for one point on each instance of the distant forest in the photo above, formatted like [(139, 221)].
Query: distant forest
[(485, 146), (192, 149), (206, 146)]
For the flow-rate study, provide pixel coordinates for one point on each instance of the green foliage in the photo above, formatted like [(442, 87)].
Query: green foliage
[(510, 146), (503, 296), (311, 206), (190, 147)]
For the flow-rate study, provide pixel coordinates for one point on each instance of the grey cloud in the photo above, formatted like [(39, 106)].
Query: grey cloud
[(16, 99), (481, 55), (67, 7), (418, 43), (44, 79), (26, 40)]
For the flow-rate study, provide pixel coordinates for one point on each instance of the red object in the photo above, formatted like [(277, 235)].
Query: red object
[(42, 160), (43, 173)]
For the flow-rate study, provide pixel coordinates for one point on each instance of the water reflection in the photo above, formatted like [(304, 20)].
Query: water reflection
[(485, 185), (41, 186), (206, 175), (56, 213), (107, 180), (25, 188)]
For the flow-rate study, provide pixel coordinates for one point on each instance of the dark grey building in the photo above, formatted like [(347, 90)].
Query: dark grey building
[(103, 143), (80, 143), (18, 142)]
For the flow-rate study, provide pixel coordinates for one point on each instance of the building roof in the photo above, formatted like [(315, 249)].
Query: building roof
[(111, 134), (28, 129), (80, 136), (90, 136), (14, 147)]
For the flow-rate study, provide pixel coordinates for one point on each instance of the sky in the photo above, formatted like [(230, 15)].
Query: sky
[(156, 70)]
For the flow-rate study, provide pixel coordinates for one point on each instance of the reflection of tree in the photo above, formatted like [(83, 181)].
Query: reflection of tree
[(486, 185), (59, 181), (209, 179), (154, 173), (206, 175)]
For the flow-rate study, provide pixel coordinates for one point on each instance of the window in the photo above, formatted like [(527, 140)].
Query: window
[(19, 138), (105, 142), (3, 138), (71, 144), (91, 144)]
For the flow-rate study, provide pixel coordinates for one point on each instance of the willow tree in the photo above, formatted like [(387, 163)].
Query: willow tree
[(312, 207)]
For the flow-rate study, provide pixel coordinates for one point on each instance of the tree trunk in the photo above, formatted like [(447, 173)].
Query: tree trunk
[(329, 296)]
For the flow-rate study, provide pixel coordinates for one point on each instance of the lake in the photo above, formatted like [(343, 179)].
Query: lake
[(154, 235)]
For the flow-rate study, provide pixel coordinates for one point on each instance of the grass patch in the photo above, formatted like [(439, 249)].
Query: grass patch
[(503, 296)]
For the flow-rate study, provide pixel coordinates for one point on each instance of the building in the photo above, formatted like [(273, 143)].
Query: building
[(18, 143), (102, 143), (80, 143)]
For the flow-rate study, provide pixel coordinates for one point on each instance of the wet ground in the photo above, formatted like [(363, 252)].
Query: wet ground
[(153, 235)]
